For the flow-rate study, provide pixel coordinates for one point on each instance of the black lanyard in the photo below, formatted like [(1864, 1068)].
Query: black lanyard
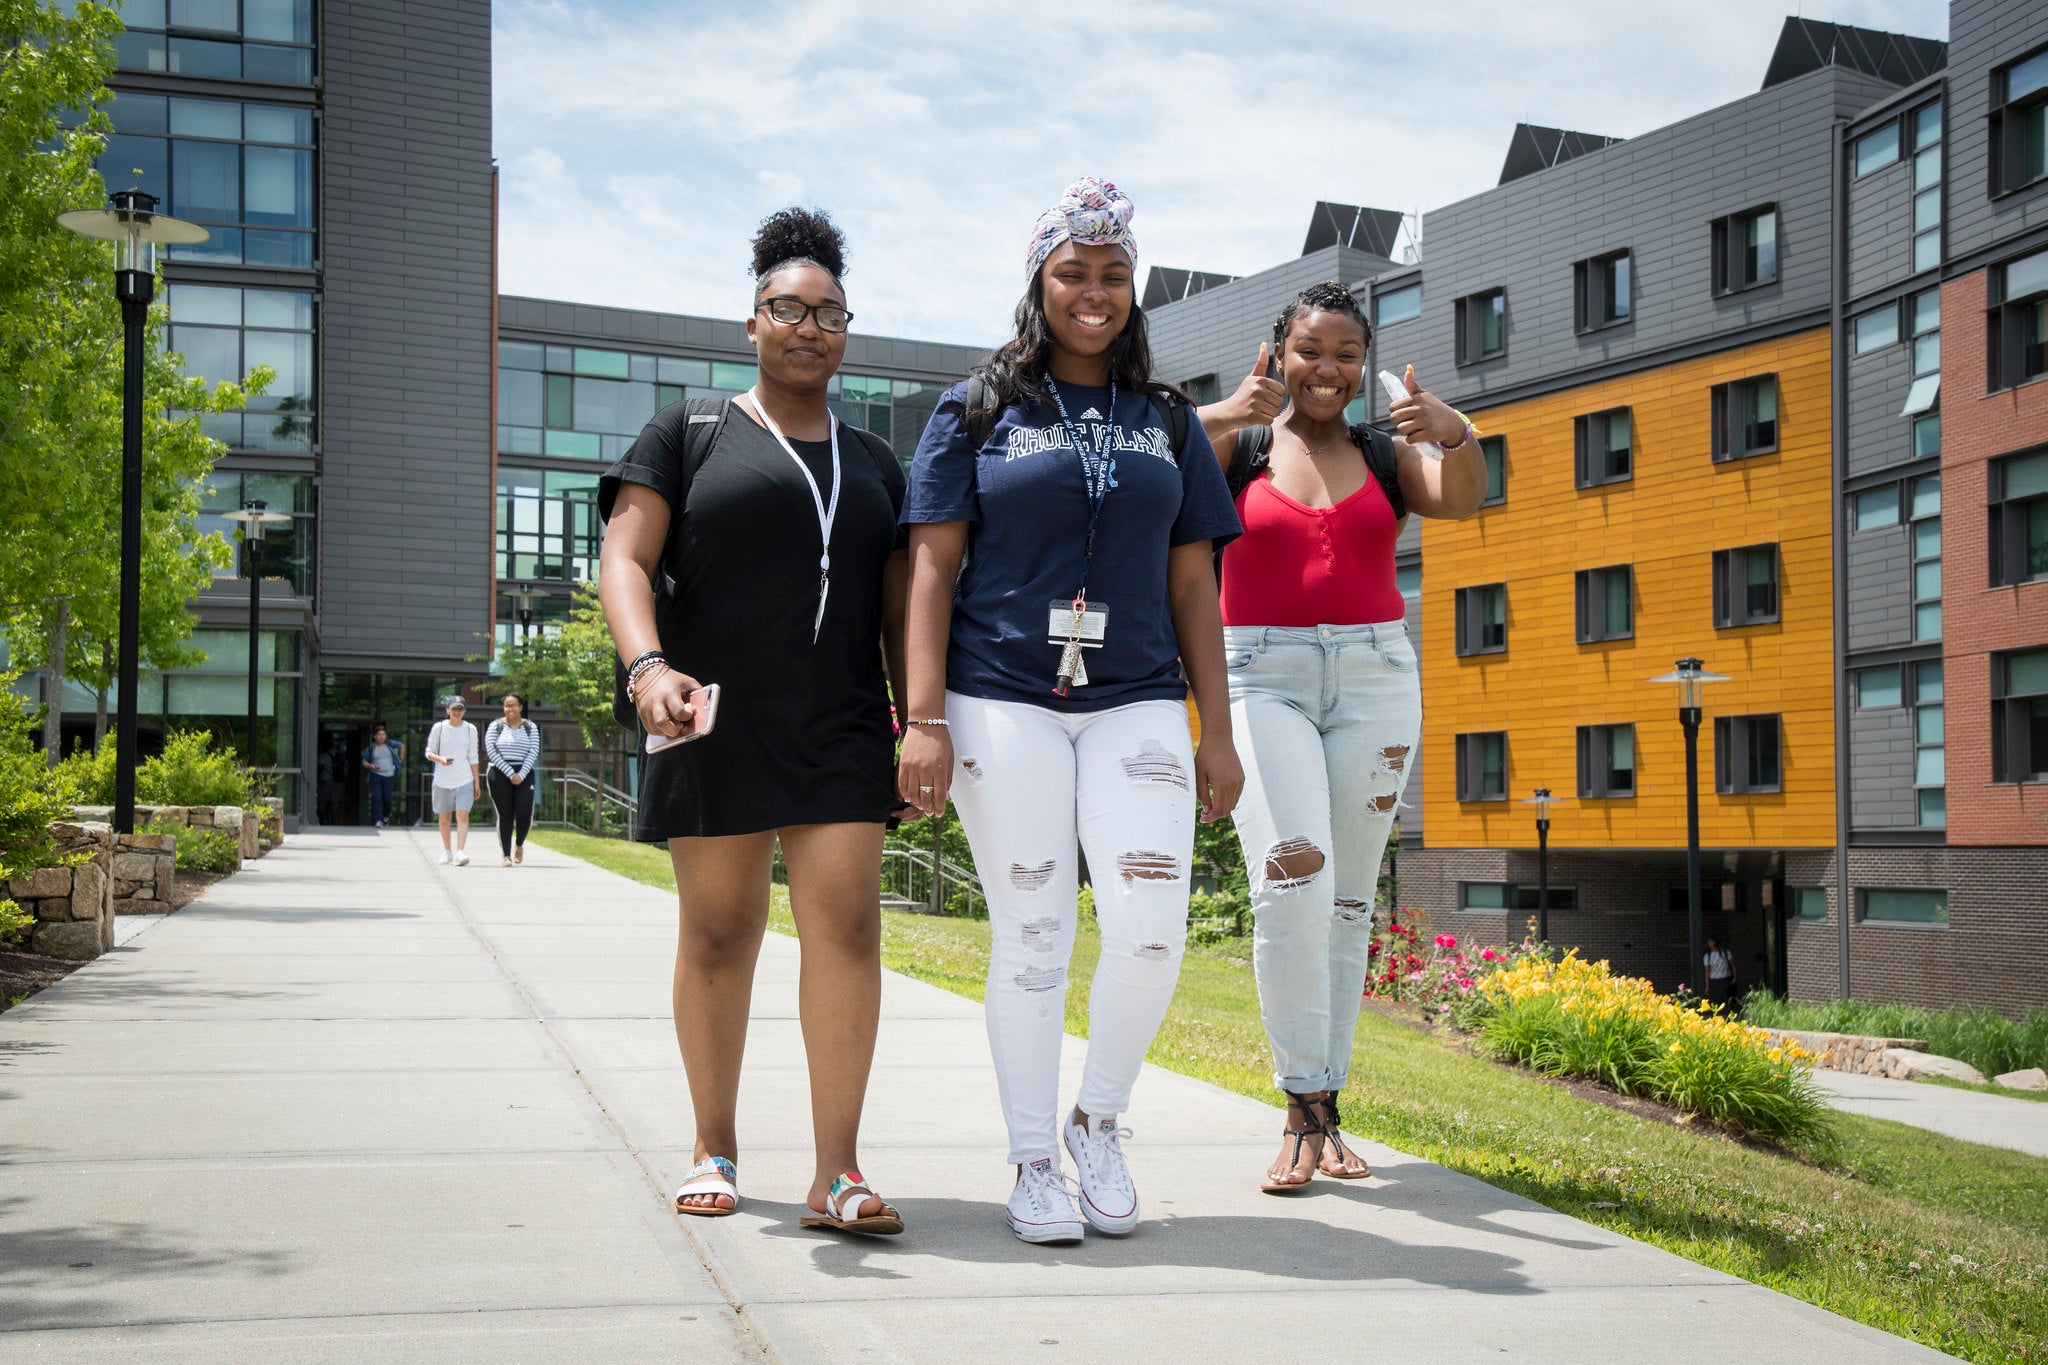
[(1098, 474)]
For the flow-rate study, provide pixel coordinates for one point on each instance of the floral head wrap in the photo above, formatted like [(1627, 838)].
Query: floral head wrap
[(1091, 212)]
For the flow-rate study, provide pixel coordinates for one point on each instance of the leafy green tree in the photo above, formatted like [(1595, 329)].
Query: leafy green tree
[(570, 670), (61, 376)]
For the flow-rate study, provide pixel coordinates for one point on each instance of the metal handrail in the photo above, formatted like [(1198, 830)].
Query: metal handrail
[(918, 879)]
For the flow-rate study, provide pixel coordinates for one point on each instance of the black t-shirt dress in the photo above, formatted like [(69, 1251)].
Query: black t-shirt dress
[(804, 735)]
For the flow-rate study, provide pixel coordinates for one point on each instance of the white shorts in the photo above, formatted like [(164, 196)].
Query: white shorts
[(450, 799)]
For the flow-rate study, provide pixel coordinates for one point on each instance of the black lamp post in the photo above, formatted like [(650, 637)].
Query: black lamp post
[(1690, 675), (1541, 801), (253, 519), (522, 606), (136, 229)]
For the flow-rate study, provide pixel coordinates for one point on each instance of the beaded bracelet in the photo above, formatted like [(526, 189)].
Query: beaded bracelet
[(1468, 434), (934, 720)]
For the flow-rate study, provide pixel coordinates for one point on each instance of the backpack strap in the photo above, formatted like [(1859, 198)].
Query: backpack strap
[(1249, 457), (1385, 462), (1173, 415), (980, 403)]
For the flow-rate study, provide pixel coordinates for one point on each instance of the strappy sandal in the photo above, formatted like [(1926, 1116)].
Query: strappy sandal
[(850, 1191), (1311, 1127), (1332, 1125), (695, 1187)]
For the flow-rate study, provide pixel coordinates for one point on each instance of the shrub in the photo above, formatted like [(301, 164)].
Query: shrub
[(91, 773), (1982, 1037), (200, 849), (1576, 1018), (191, 772), (32, 795)]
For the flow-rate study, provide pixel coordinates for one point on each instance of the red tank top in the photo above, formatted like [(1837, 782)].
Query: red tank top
[(1312, 566)]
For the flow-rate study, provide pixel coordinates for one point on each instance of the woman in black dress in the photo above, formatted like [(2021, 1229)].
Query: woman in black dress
[(752, 543)]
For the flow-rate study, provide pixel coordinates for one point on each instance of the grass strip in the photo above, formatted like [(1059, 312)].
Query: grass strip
[(1941, 1241)]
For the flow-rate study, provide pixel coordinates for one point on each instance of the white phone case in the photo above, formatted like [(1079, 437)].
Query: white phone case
[(1396, 391)]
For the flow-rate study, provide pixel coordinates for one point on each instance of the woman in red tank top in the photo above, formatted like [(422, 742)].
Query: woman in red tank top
[(1324, 696)]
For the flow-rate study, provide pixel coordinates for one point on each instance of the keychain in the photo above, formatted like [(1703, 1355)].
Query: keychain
[(1070, 657)]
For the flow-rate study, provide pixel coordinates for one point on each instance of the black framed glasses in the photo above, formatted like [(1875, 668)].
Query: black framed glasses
[(791, 311)]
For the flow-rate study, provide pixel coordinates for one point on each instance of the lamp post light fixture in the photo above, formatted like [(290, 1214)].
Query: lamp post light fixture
[(254, 518), (1690, 675), (136, 229), (522, 606), (1541, 801)]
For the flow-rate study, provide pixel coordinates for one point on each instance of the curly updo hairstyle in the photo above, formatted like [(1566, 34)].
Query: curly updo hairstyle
[(795, 236), (1327, 297)]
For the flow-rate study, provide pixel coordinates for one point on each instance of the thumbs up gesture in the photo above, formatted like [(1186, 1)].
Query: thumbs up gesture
[(1258, 399), (1422, 416)]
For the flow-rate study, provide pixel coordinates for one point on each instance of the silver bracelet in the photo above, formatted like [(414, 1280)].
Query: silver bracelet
[(934, 720)]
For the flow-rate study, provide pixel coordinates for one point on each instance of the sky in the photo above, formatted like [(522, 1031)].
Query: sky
[(639, 142)]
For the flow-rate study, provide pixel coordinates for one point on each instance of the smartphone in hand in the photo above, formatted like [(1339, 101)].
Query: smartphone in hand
[(703, 715)]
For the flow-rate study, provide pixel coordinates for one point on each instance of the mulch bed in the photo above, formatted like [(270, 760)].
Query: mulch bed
[(23, 974)]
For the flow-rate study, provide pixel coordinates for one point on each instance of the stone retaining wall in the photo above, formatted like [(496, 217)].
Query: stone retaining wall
[(1852, 1052), (145, 868), (231, 819), (73, 905)]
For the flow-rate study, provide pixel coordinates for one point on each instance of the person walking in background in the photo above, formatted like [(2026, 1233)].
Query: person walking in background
[(1720, 965), (1084, 485), (512, 746), (723, 501), (382, 758), (1323, 687), (458, 777)]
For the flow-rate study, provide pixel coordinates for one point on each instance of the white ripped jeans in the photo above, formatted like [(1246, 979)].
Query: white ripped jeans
[(1325, 719), (1030, 783)]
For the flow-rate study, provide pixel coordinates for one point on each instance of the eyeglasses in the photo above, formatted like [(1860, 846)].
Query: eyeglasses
[(791, 312)]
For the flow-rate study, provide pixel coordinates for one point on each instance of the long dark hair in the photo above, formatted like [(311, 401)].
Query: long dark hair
[(1015, 371)]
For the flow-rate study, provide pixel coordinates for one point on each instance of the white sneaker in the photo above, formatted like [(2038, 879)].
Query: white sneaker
[(461, 858), (446, 857), (1108, 1196), (1042, 1207)]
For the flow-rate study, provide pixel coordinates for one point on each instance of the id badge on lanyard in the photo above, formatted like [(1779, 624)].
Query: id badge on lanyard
[(1079, 623)]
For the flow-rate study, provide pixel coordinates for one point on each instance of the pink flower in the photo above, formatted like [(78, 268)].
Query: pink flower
[(1446, 941), (1443, 1009), (1489, 955), (1464, 983)]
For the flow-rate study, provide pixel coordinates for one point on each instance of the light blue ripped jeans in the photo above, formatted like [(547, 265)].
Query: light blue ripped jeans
[(1326, 718)]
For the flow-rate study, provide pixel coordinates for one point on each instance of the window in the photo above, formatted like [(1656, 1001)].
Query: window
[(1604, 449), (1923, 318), (1482, 619), (1905, 907), (2019, 716), (1876, 507), (1879, 687), (1879, 327), (548, 527), (1605, 604), (2019, 320), (1397, 305), (1408, 578), (1202, 391), (1494, 450), (245, 171), (1747, 754), (1929, 746), (2019, 123), (1745, 586), (1925, 505), (1810, 902), (1482, 326), (1513, 896), (1483, 766), (1602, 289), (1878, 149), (269, 40), (1607, 760), (1745, 417), (1924, 126), (1745, 250), (288, 549), (2019, 519), (223, 332)]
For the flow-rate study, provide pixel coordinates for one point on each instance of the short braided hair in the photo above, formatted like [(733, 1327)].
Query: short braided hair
[(1327, 297)]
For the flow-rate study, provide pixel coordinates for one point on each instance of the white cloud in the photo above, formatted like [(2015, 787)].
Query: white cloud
[(641, 142)]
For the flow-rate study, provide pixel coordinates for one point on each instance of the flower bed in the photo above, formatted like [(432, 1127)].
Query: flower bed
[(1571, 1017)]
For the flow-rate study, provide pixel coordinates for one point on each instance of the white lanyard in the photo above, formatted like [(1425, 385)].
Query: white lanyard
[(827, 512)]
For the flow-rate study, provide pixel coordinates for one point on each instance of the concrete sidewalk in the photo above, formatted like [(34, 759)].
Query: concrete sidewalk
[(353, 1106), (1972, 1115)]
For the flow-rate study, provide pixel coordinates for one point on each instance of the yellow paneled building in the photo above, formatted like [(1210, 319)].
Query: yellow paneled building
[(1679, 505)]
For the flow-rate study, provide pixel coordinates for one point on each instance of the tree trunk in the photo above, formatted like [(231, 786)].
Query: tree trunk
[(99, 720), (53, 686)]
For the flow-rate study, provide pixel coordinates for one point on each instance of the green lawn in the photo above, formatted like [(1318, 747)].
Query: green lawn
[(1938, 1240)]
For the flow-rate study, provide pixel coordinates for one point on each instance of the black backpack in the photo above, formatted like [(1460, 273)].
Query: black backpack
[(982, 412), (707, 418)]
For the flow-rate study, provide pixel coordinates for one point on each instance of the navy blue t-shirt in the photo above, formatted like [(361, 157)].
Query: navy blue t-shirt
[(1023, 492)]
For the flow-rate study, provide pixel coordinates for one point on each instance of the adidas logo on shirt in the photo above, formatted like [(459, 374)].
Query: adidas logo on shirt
[(1091, 416)]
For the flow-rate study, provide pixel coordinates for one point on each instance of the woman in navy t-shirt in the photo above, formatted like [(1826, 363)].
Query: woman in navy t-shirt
[(1046, 690)]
